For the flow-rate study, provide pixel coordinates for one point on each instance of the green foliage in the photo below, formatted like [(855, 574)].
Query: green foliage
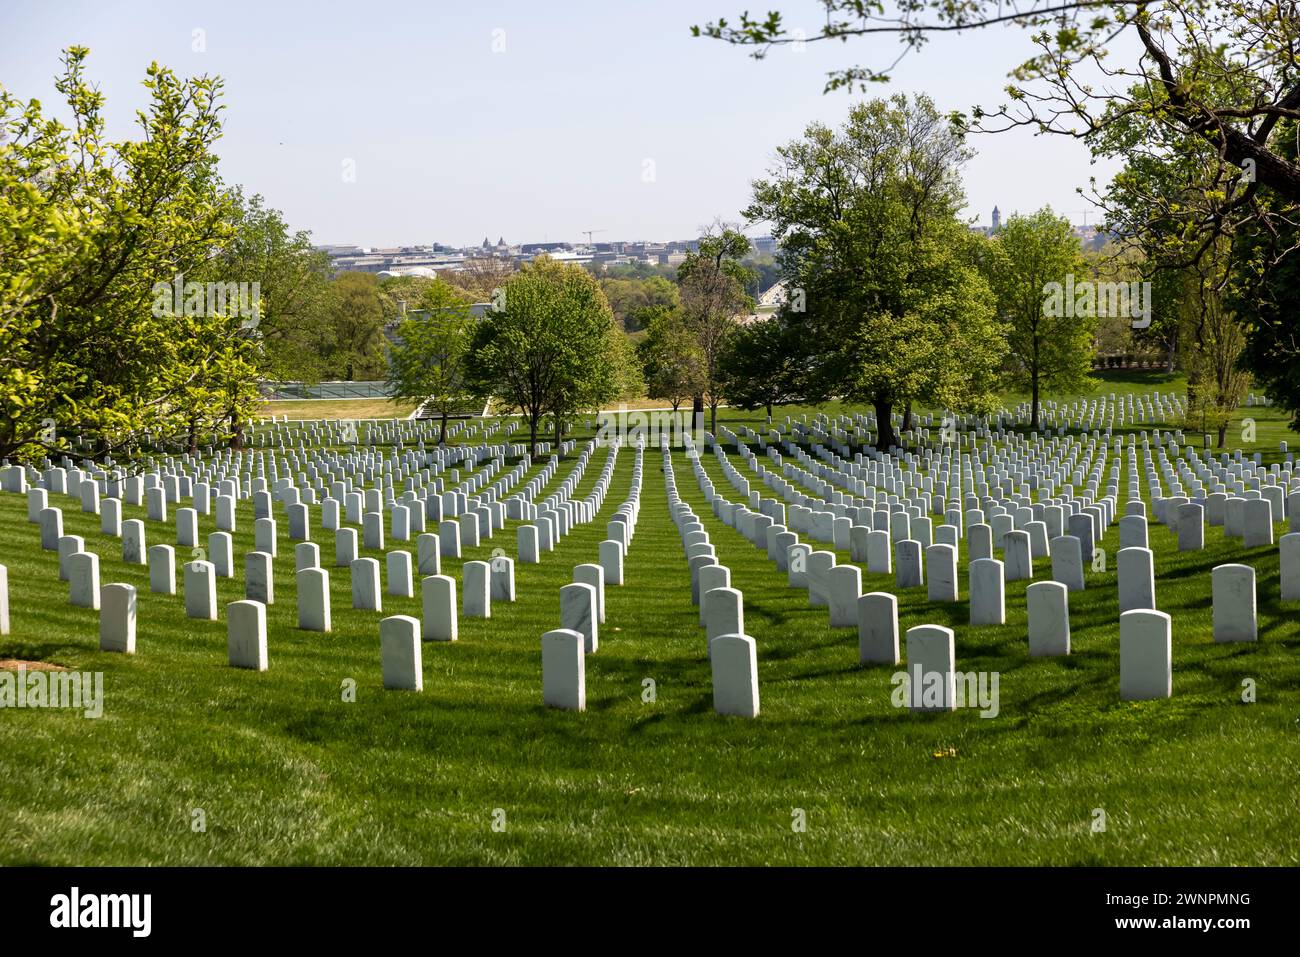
[(867, 219), (87, 227), (670, 359), (768, 363), (426, 363), (635, 301), (356, 350), (554, 349), (713, 284), (294, 319), (1047, 349)]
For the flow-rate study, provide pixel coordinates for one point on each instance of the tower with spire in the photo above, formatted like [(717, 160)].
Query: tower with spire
[(997, 220)]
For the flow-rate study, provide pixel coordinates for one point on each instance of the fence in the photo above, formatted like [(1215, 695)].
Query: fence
[(325, 390)]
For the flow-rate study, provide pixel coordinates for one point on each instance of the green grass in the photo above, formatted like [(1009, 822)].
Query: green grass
[(288, 773)]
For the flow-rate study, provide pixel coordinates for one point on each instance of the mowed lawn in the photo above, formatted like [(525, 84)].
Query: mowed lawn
[(337, 409), (287, 772)]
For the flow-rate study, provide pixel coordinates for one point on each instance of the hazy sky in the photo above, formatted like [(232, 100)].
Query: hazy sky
[(516, 119)]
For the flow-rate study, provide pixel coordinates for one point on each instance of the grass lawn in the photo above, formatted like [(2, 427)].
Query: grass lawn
[(338, 408), (286, 772)]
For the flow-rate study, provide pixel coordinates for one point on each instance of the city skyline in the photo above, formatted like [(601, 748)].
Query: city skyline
[(501, 119)]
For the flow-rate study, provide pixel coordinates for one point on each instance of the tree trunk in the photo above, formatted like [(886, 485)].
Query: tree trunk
[(907, 416), (769, 413), (1223, 432), (1169, 356), (1033, 391), (713, 419), (442, 435), (559, 432), (532, 435), (236, 432), (885, 437), (697, 407)]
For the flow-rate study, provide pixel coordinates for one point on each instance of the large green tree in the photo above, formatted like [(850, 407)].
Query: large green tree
[(426, 363), (670, 359), (713, 284), (88, 227), (767, 363), (552, 348), (1048, 348), (357, 320), (872, 248)]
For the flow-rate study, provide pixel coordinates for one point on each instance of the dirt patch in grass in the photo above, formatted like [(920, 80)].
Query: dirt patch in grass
[(13, 664)]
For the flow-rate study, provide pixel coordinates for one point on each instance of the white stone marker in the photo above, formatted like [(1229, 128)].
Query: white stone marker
[(502, 578), (264, 533), (797, 564), (564, 670), (942, 581), (879, 552), (69, 545), (987, 592), (594, 576), (476, 586), (52, 528), (246, 634), (110, 517), (201, 590), (187, 527), (610, 552), (400, 653), (529, 552), (345, 547), (735, 675), (117, 607), (1233, 588), (162, 569), (845, 587), (1133, 531), (1137, 579), (979, 541), (259, 579), (313, 599), (724, 613), (1257, 523), (1191, 527), (711, 577), (83, 580), (578, 613), (449, 538), (428, 554), (133, 542), (226, 513), (400, 580), (1067, 562), (221, 554), (1289, 565), (931, 658), (878, 628), (372, 530), (306, 555), (910, 572), (1146, 667), (1016, 556), (366, 593), (1048, 608), (438, 601)]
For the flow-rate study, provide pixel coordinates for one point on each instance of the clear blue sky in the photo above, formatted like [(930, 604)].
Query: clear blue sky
[(452, 141)]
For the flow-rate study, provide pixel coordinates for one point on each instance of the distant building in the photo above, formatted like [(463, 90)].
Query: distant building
[(997, 220)]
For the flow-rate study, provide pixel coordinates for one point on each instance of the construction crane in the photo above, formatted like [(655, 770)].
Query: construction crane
[(588, 232)]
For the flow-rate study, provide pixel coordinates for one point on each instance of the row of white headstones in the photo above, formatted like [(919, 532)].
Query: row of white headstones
[(1146, 655), (582, 604)]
